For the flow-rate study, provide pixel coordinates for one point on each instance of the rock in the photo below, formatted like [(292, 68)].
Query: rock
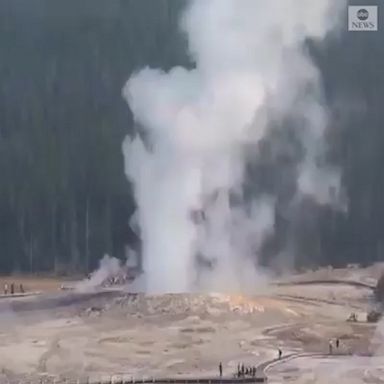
[(373, 316), (93, 311)]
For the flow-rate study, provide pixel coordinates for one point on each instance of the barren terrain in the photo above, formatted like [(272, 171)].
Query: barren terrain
[(69, 335)]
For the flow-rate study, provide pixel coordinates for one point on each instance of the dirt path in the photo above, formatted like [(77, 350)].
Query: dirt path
[(352, 283)]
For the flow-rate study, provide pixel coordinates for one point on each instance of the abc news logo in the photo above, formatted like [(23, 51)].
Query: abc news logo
[(362, 18)]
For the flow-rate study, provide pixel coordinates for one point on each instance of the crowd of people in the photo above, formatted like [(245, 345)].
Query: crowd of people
[(337, 344), (11, 288), (243, 371)]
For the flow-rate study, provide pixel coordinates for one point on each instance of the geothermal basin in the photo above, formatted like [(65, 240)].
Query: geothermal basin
[(91, 336)]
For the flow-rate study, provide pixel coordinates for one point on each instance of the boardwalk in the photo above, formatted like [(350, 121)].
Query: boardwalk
[(181, 380), (193, 380)]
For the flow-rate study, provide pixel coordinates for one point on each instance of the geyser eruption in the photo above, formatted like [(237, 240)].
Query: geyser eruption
[(196, 126)]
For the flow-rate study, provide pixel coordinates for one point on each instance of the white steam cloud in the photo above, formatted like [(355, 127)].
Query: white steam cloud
[(108, 267), (187, 167)]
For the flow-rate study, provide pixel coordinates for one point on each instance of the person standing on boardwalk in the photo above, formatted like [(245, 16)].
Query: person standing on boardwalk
[(242, 370), (330, 347), (337, 343), (220, 369)]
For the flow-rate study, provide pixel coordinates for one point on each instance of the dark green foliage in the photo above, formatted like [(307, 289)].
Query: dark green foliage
[(64, 198)]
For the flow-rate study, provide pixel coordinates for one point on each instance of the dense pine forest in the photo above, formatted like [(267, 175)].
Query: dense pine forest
[(64, 198)]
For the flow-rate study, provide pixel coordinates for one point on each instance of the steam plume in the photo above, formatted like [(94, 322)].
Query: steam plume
[(108, 267), (187, 166)]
